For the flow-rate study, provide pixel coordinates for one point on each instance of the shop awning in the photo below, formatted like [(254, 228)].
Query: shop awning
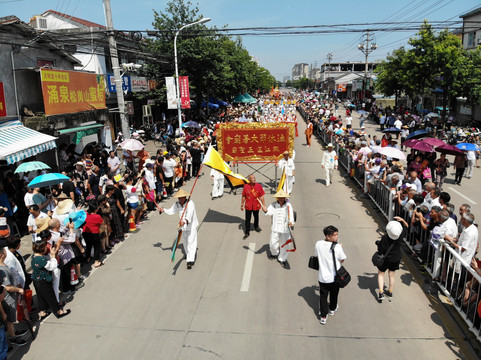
[(81, 131), (18, 142)]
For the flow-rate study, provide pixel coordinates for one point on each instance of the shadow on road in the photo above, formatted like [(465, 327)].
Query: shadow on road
[(219, 217), (308, 293), (368, 282)]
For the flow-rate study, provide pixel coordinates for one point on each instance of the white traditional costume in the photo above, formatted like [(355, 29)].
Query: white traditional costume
[(289, 167), (218, 186)]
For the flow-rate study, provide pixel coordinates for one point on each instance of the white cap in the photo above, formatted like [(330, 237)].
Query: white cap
[(394, 229), (329, 145)]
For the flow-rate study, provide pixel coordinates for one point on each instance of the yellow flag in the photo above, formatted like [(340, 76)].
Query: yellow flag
[(282, 180), (213, 160)]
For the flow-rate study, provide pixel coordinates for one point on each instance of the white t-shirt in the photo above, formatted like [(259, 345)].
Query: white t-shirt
[(113, 162), (132, 196), (348, 120), (28, 199), (471, 155), (326, 265), (168, 167)]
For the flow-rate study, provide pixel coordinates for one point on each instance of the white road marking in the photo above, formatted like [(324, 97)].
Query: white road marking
[(463, 196), (246, 279)]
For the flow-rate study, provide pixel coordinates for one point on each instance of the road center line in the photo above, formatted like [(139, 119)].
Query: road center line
[(246, 279), (463, 196)]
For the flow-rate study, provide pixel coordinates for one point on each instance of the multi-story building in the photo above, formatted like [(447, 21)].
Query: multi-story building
[(300, 71)]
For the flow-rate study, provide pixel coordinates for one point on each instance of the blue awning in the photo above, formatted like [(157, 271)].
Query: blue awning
[(18, 142)]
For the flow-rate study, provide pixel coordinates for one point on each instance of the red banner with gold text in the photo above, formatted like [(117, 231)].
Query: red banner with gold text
[(67, 92), (255, 141), (184, 92)]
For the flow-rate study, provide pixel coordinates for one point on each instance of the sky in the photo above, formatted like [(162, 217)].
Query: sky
[(276, 53)]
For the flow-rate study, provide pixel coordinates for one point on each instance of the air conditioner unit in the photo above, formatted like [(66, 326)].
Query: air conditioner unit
[(479, 41)]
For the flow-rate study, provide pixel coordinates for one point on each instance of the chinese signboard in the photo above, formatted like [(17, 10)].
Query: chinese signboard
[(126, 85), (171, 94), (3, 106), (255, 141), (184, 92), (71, 91), (139, 84)]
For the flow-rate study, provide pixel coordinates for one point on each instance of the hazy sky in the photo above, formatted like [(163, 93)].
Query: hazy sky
[(276, 53)]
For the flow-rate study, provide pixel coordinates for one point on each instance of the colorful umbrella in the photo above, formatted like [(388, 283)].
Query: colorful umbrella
[(434, 142), (417, 134), (468, 147), (410, 142), (392, 152), (449, 149), (423, 147), (31, 166), (362, 112), (132, 145), (48, 180), (191, 124), (432, 114)]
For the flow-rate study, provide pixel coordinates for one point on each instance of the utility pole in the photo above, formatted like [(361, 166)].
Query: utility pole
[(329, 58), (114, 56), (367, 46)]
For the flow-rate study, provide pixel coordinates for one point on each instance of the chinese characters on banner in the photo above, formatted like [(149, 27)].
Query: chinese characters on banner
[(184, 92), (171, 94), (71, 91), (255, 141), (3, 106)]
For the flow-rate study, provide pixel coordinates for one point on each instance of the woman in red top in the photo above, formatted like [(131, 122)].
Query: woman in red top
[(91, 233)]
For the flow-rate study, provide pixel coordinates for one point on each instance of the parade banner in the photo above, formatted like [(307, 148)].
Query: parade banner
[(171, 94), (3, 105), (71, 91), (255, 141), (184, 92)]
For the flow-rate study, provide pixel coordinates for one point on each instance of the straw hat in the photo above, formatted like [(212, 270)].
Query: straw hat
[(181, 193), (281, 194), (62, 196), (80, 163), (64, 206), (41, 224)]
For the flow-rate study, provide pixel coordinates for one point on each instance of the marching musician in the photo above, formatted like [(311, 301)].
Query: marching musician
[(252, 200), (188, 224), (282, 220)]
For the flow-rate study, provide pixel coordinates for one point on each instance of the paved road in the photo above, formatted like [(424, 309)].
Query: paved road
[(141, 306)]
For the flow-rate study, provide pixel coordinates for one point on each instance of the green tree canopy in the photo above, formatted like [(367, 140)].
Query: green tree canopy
[(215, 64)]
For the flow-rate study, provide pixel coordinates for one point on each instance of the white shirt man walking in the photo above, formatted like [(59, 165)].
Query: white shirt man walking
[(218, 185), (282, 218), (329, 163), (327, 271)]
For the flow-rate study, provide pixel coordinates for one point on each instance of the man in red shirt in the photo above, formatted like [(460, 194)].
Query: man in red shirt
[(252, 198)]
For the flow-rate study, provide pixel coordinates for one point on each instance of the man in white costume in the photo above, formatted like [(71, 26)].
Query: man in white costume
[(188, 223), (282, 218), (287, 164), (329, 163), (218, 186)]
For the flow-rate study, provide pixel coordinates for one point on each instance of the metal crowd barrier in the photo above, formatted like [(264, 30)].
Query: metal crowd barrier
[(454, 276)]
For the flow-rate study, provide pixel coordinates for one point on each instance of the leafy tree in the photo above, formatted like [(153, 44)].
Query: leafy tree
[(216, 65), (391, 74), (470, 83)]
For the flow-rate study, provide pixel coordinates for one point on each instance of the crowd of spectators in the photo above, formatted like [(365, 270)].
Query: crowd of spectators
[(416, 189)]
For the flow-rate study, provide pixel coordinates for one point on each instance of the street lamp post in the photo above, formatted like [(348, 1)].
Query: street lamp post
[(367, 46), (179, 105)]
